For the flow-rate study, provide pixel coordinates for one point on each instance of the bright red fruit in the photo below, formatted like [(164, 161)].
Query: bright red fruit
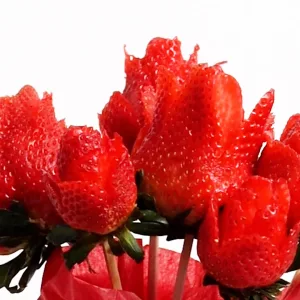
[(199, 144), (281, 159), (95, 284), (248, 243), (97, 190), (127, 113), (30, 137)]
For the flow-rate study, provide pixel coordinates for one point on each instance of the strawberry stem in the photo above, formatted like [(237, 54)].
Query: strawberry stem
[(183, 265), (153, 268), (112, 268)]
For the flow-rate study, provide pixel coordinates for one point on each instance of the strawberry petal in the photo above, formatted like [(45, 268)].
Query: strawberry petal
[(280, 161), (127, 124), (291, 133), (256, 130)]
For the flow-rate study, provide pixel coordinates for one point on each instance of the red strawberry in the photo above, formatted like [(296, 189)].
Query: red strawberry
[(31, 137), (97, 191), (199, 144), (248, 243), (281, 159), (126, 114)]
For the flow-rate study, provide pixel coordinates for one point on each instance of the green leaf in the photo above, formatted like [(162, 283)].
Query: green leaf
[(149, 228), (32, 266), (15, 224), (139, 175), (46, 253), (264, 293), (10, 269), (176, 234), (81, 249), (13, 242), (130, 245), (18, 207), (61, 234), (115, 246), (145, 201), (152, 216)]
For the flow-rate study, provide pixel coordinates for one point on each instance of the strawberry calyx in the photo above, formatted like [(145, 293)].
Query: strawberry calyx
[(19, 232), (82, 243), (264, 293), (145, 220)]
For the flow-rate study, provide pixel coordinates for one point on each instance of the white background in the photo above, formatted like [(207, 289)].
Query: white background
[(74, 49)]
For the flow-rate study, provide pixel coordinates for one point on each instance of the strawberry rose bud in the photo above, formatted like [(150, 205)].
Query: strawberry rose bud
[(127, 112), (30, 135), (97, 190), (248, 242), (199, 143), (281, 159)]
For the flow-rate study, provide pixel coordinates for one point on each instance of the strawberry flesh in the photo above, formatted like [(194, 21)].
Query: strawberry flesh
[(281, 159)]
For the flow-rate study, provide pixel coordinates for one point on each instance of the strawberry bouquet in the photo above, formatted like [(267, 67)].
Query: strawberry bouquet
[(174, 156)]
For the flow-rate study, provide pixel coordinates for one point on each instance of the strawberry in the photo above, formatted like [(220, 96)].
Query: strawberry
[(127, 113), (281, 159), (248, 243), (97, 190), (30, 135), (199, 144)]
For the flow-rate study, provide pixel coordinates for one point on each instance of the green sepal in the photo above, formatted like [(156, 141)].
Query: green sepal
[(152, 216), (81, 249), (10, 269), (13, 242), (61, 234), (18, 207), (263, 293), (129, 244), (139, 175), (115, 246), (148, 228), (46, 253), (34, 255), (13, 224), (145, 201)]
